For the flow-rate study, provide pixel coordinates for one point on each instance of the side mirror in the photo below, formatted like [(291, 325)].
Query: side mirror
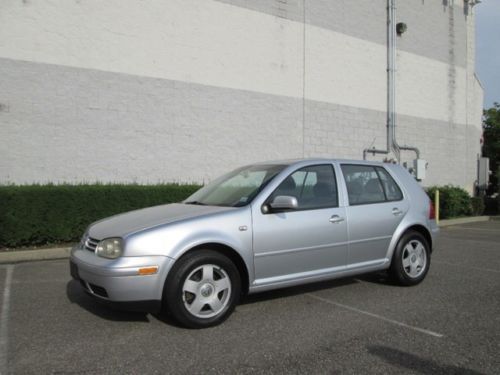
[(281, 202)]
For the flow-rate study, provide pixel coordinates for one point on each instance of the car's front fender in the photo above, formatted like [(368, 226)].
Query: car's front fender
[(231, 229)]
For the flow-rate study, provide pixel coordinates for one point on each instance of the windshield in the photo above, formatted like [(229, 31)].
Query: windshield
[(237, 188)]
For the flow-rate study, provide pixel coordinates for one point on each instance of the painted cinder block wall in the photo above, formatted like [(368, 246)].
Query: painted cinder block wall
[(183, 90)]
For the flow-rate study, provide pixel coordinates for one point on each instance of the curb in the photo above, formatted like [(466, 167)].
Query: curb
[(64, 252), (464, 220), (34, 255)]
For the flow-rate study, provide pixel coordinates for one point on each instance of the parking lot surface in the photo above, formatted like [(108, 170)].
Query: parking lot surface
[(448, 324)]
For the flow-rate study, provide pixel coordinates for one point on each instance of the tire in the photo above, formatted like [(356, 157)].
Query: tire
[(202, 289), (411, 259)]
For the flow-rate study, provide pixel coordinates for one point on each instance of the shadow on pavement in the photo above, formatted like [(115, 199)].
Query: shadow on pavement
[(77, 295), (412, 362), (297, 290), (380, 278)]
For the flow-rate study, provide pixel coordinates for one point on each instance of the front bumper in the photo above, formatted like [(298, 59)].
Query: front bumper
[(118, 280)]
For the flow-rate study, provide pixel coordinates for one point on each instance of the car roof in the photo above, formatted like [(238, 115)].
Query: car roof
[(310, 161)]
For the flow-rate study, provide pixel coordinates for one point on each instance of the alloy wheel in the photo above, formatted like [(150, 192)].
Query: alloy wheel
[(206, 291), (414, 258)]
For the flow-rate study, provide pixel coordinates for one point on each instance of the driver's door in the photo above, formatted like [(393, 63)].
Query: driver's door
[(306, 241)]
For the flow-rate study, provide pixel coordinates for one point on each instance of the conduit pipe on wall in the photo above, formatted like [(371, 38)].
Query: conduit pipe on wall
[(392, 144)]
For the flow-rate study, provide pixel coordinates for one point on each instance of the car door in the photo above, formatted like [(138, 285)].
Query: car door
[(376, 207), (304, 241)]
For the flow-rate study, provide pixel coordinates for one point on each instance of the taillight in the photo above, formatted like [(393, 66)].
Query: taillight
[(432, 211)]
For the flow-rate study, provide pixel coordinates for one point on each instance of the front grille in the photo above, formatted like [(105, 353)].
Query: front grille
[(90, 244)]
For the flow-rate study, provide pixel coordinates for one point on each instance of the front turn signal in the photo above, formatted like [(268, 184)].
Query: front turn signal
[(148, 270)]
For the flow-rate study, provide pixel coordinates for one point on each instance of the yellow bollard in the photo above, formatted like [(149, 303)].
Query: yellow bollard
[(436, 205)]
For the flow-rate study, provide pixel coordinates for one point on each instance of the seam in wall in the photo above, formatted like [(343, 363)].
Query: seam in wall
[(304, 80)]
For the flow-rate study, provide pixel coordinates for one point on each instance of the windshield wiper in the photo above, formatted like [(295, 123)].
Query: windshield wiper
[(195, 202)]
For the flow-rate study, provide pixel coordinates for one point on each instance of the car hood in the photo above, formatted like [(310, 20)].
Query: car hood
[(134, 221)]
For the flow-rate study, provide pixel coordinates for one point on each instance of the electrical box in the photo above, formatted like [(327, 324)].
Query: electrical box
[(419, 168), (483, 178)]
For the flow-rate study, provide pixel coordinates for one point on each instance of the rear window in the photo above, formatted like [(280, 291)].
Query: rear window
[(369, 184)]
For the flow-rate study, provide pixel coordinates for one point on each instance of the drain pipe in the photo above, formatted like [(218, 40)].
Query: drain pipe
[(391, 83), (392, 144), (391, 26), (391, 76)]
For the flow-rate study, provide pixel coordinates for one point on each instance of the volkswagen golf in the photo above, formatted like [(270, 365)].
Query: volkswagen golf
[(260, 227)]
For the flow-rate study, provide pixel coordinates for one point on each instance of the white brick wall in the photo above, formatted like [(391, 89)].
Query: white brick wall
[(186, 89)]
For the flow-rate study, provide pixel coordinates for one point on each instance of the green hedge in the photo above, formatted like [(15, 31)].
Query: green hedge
[(478, 207), (43, 214), (453, 201), (491, 205)]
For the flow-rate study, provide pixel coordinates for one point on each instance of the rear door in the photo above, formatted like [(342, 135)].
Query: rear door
[(376, 207)]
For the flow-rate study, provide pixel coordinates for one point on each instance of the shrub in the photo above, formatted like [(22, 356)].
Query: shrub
[(453, 201), (42, 214), (477, 204), (491, 205)]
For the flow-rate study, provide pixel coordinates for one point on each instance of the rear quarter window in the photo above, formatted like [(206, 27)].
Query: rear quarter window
[(391, 188)]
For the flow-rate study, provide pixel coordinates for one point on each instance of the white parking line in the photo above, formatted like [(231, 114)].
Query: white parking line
[(380, 317), (466, 266), (4, 319)]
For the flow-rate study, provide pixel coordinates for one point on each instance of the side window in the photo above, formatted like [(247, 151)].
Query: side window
[(391, 189), (363, 184), (314, 187)]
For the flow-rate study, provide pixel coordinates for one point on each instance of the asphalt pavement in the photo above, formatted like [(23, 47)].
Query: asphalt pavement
[(449, 324)]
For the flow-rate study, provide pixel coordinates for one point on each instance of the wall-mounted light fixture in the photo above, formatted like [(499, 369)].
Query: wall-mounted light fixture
[(401, 27), (471, 3)]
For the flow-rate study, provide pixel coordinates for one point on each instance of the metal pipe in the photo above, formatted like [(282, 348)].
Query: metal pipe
[(411, 148), (392, 144), (373, 151), (390, 60), (391, 76), (392, 84)]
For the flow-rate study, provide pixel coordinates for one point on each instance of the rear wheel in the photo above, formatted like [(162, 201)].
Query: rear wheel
[(202, 289), (411, 259)]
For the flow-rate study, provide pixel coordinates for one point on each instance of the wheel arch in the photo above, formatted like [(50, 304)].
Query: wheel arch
[(396, 268), (423, 231), (416, 227), (229, 252)]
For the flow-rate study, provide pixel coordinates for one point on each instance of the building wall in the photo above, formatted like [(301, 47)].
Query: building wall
[(183, 90)]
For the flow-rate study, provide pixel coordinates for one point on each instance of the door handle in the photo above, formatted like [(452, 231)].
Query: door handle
[(396, 211), (336, 219)]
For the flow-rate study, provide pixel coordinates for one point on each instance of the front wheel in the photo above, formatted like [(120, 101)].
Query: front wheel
[(411, 259), (202, 289)]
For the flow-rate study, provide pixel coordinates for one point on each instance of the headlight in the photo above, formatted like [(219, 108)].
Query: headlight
[(110, 248)]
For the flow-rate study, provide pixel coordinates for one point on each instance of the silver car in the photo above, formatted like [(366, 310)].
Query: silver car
[(260, 227)]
